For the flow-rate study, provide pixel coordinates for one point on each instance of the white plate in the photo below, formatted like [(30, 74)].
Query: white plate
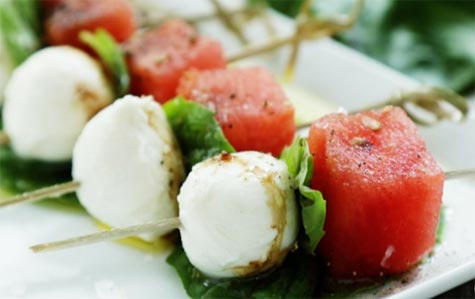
[(112, 270)]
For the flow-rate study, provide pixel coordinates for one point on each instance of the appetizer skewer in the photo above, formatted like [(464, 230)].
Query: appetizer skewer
[(382, 186)]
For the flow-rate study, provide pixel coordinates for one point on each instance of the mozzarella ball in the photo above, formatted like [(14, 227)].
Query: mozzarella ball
[(238, 214), (128, 164), (49, 99)]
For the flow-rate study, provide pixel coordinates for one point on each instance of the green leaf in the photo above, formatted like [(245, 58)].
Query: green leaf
[(19, 28), (289, 8), (437, 47), (30, 13), (197, 131), (313, 207), (439, 235), (18, 175), (112, 57), (295, 278)]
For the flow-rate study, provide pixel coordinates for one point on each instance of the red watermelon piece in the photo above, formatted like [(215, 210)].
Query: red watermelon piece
[(157, 58), (251, 107), (383, 190), (67, 18)]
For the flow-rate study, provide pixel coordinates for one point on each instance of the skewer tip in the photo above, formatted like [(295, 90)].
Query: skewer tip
[(39, 248)]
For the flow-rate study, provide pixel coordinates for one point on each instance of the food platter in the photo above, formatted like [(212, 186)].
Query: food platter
[(329, 76)]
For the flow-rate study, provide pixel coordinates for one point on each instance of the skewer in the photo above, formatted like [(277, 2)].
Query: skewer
[(228, 21), (194, 20), (457, 174), (113, 234), (69, 187), (311, 28), (432, 100), (159, 226), (4, 139), (37, 195)]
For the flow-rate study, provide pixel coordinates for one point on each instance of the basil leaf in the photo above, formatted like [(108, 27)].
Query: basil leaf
[(18, 175), (313, 207), (437, 47), (19, 28), (197, 131), (289, 8), (439, 235), (112, 57), (295, 278)]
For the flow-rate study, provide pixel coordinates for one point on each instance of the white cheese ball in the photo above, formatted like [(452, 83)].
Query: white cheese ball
[(128, 164), (238, 214), (49, 99)]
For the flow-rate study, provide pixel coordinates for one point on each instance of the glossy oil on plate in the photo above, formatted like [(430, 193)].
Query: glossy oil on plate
[(328, 76)]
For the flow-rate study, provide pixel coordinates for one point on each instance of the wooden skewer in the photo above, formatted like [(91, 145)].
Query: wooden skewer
[(311, 28), (47, 192), (69, 187), (457, 174), (158, 226), (426, 98), (4, 139), (113, 234), (228, 21)]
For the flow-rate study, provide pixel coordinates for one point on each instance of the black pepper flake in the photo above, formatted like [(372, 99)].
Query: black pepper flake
[(232, 96), (266, 104), (162, 162)]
